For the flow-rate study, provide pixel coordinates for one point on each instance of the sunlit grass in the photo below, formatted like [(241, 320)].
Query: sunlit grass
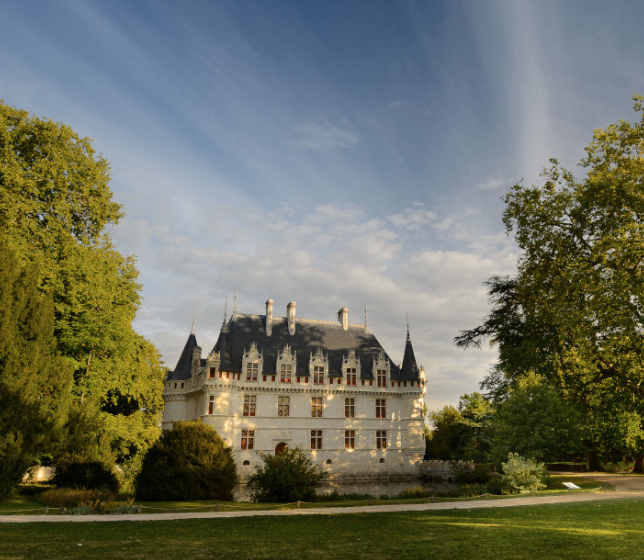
[(589, 530)]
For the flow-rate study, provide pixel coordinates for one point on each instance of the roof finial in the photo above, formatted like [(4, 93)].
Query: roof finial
[(223, 326), (366, 316), (234, 305), (194, 314), (408, 337)]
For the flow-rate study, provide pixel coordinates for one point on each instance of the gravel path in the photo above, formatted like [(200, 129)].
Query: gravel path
[(627, 486)]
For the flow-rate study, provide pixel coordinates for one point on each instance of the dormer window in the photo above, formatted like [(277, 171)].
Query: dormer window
[(318, 366), (252, 363), (381, 369), (286, 364), (351, 368)]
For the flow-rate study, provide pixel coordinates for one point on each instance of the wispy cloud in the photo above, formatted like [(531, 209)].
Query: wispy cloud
[(325, 136)]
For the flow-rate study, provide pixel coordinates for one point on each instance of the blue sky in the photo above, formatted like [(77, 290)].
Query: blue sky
[(327, 152)]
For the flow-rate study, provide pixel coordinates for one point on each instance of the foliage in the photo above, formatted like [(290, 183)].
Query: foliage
[(481, 474), (285, 477), (574, 312), (35, 381), (524, 474), (55, 204), (91, 475), (461, 434), (188, 462), (70, 497), (534, 420)]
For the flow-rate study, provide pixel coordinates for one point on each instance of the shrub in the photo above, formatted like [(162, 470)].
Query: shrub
[(498, 485), (415, 492), (91, 475), (67, 497), (524, 475), (188, 462), (287, 476), (481, 474), (81, 510)]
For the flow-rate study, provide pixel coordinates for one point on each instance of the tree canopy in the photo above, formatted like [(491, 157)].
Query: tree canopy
[(574, 312), (55, 203), (34, 380)]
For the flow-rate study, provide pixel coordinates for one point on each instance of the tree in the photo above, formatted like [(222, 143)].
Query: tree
[(535, 421), (287, 476), (55, 204), (188, 462), (34, 380), (574, 312), (461, 434)]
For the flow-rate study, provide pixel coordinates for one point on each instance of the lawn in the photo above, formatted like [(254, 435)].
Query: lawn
[(592, 530)]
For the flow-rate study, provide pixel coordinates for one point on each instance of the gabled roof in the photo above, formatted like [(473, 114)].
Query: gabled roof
[(184, 365)]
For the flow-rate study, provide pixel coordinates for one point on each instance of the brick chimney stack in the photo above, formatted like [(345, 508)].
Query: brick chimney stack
[(290, 314), (269, 317), (343, 318)]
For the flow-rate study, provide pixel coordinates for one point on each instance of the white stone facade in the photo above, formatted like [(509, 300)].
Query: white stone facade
[(358, 414)]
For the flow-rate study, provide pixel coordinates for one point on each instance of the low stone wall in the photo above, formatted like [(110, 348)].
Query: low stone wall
[(445, 470)]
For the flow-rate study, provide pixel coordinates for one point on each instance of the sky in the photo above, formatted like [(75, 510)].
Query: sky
[(333, 153)]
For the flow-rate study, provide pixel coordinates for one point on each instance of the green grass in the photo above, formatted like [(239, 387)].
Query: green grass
[(25, 505), (588, 531)]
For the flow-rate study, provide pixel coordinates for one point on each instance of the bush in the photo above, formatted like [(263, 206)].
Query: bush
[(188, 462), (498, 485), (68, 497), (480, 475), (525, 475), (91, 475), (288, 476)]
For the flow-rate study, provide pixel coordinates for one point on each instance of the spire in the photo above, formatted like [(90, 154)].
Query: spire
[(234, 306), (192, 331), (366, 316), (224, 327), (409, 369)]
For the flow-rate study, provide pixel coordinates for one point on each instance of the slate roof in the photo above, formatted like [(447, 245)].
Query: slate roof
[(242, 330)]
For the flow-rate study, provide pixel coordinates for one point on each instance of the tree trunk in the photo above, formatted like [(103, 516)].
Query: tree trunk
[(639, 463), (592, 461)]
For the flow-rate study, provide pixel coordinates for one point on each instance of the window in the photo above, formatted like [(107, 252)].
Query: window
[(351, 376), (381, 376), (283, 406), (247, 439), (349, 408), (318, 374), (316, 439), (211, 405), (349, 439), (381, 439), (316, 407), (250, 405), (285, 373), (381, 408), (212, 372), (251, 371)]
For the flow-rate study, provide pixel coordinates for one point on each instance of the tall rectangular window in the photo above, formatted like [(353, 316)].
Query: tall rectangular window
[(316, 407), (285, 373), (247, 439), (349, 439), (251, 371), (352, 376), (381, 439), (316, 439), (283, 406), (349, 408), (381, 376), (212, 372), (318, 374), (250, 402), (381, 408), (211, 405)]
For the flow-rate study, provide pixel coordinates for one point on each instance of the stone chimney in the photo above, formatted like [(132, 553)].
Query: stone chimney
[(269, 317), (343, 318), (290, 315)]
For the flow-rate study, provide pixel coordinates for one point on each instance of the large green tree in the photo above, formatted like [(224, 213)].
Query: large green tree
[(55, 204), (574, 312), (34, 379)]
